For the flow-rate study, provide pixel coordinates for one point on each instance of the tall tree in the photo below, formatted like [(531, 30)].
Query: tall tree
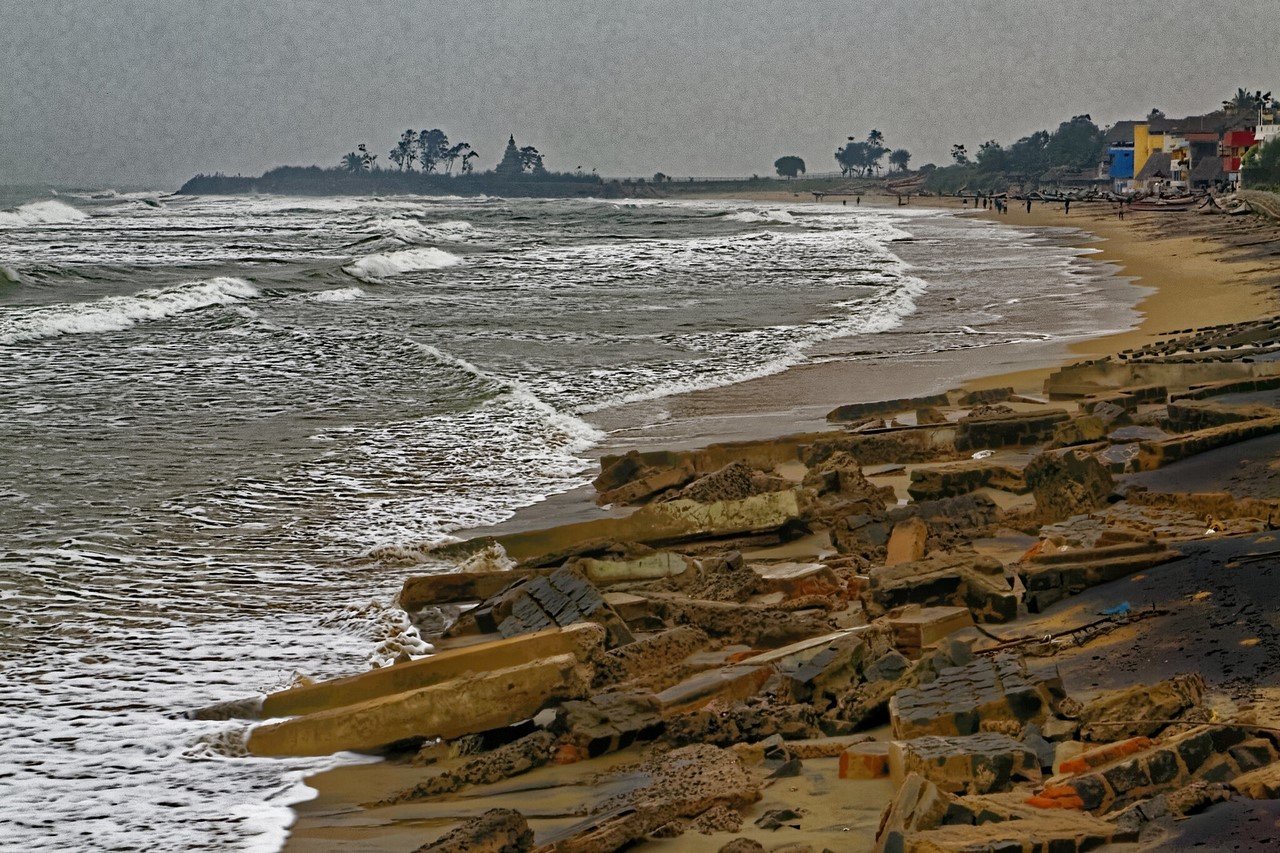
[(789, 166), (992, 157), (453, 153), (352, 162), (433, 146), (531, 160), (406, 150), (366, 158), (960, 154), (900, 157), (467, 166)]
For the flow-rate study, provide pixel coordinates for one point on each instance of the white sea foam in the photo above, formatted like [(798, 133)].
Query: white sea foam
[(780, 217), (413, 231), (48, 212), (341, 294), (388, 264), (114, 313), (9, 274)]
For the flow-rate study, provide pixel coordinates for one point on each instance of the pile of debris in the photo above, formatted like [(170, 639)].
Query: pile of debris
[(846, 639)]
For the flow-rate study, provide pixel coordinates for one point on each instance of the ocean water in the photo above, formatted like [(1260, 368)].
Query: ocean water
[(226, 420)]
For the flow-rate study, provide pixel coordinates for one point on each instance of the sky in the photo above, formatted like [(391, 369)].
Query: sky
[(148, 93)]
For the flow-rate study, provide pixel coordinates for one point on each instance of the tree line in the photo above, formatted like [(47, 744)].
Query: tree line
[(431, 152)]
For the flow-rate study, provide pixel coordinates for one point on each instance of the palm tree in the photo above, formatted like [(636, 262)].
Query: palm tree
[(1244, 100), (352, 162), (900, 157), (467, 166)]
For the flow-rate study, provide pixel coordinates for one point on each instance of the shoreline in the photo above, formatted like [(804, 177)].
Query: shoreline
[(1185, 278), (1172, 291)]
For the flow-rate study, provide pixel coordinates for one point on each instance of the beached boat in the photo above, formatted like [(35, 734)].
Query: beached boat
[(1165, 205)]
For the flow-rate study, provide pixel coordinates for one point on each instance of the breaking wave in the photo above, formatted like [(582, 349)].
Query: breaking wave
[(779, 217), (41, 213), (342, 294), (389, 264), (114, 313)]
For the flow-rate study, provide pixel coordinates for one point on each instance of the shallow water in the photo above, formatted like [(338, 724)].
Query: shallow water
[(224, 416)]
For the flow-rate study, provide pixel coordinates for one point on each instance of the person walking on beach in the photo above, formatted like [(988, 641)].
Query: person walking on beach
[(1121, 211), (1066, 207), (1028, 204)]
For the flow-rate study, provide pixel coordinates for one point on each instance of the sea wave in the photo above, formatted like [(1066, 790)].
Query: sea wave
[(779, 217), (114, 313), (341, 294), (415, 232), (48, 212), (389, 264)]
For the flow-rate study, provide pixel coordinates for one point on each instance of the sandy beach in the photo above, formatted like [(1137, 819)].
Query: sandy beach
[(1185, 282)]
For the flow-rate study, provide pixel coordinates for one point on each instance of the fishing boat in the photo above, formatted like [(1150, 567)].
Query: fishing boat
[(1164, 205)]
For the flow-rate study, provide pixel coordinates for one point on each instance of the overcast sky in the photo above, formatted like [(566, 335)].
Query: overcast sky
[(109, 92)]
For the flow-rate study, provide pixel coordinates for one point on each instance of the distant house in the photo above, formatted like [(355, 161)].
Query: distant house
[(1120, 155), (1235, 144), (1156, 172)]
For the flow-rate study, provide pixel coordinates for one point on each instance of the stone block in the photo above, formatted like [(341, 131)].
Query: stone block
[(609, 721), (960, 478), (858, 411), (1016, 429), (956, 579), (797, 579), (918, 806), (868, 760), (564, 597), (907, 542), (961, 699), (916, 628), (972, 764), (421, 591)]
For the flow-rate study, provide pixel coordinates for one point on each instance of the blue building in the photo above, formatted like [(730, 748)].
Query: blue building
[(1121, 169)]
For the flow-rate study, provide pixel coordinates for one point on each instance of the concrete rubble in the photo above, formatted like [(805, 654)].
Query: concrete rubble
[(764, 633)]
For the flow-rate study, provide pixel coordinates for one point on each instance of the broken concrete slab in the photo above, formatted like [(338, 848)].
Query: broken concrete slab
[(915, 628), (495, 831), (446, 710), (960, 478), (582, 641), (1115, 776), (1013, 429), (561, 598), (797, 579), (654, 524), (421, 591), (988, 690), (957, 579), (858, 411), (919, 805), (1157, 454), (970, 764), (1140, 710)]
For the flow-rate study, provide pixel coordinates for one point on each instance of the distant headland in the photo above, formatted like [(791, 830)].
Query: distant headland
[(424, 163)]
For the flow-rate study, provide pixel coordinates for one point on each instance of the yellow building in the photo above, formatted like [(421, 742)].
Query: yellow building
[(1145, 143)]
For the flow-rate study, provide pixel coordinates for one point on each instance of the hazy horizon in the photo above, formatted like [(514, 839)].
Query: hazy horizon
[(151, 93)]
